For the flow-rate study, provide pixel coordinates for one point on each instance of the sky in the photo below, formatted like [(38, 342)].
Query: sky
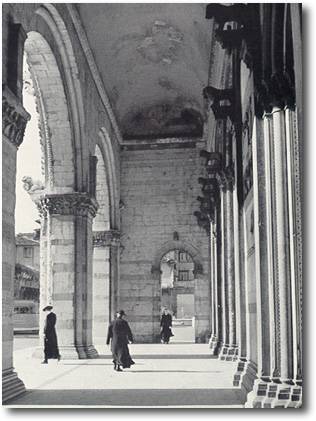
[(28, 163)]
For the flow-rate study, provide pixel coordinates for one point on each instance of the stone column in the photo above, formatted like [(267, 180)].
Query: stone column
[(229, 350), (264, 260), (214, 301), (14, 120), (114, 272), (293, 146), (223, 286), (69, 270), (103, 242), (284, 331)]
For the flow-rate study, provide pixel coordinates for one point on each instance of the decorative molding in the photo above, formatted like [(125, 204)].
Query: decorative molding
[(14, 117), (78, 204), (106, 238), (82, 36)]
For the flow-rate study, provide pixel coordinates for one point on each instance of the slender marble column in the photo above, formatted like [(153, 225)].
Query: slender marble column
[(224, 314), (214, 300)]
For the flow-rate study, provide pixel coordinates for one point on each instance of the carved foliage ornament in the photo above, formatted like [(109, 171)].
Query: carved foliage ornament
[(78, 204), (14, 119)]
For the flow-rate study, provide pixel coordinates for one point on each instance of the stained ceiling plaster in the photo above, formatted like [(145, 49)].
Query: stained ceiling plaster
[(153, 59)]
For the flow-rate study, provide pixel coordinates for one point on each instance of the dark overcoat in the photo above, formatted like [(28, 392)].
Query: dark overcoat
[(166, 324), (120, 333), (50, 338)]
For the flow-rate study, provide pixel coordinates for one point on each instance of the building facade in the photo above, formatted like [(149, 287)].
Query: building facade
[(194, 128)]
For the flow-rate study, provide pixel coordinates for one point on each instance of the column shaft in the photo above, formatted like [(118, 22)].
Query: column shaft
[(282, 238)]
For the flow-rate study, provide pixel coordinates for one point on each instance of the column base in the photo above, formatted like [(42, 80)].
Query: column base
[(214, 345), (70, 352), (91, 352), (245, 375), (12, 386), (282, 394), (229, 353), (256, 398)]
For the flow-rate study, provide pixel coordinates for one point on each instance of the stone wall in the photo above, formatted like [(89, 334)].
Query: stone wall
[(159, 190)]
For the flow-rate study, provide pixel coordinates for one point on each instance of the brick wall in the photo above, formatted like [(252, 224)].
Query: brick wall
[(159, 190)]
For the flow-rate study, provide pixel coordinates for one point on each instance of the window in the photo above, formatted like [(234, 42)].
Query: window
[(183, 275), (183, 257), (27, 252)]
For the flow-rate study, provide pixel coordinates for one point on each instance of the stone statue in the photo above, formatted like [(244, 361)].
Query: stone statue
[(32, 186)]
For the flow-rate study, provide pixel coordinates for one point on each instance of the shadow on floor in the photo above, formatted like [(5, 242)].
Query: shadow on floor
[(166, 356), (130, 397)]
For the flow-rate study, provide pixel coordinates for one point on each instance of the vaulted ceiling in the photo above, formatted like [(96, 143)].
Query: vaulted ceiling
[(153, 59)]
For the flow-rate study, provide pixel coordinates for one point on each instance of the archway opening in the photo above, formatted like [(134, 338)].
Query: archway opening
[(177, 283), (46, 165), (30, 175), (101, 255)]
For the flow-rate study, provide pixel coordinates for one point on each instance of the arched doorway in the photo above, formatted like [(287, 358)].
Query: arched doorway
[(177, 293), (196, 288)]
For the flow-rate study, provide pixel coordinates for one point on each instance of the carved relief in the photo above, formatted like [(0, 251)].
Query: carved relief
[(78, 204), (14, 118)]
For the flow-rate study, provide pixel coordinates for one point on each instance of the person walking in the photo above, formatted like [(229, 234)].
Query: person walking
[(165, 326), (50, 338), (120, 334)]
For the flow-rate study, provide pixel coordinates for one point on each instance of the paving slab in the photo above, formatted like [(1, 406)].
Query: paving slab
[(164, 375)]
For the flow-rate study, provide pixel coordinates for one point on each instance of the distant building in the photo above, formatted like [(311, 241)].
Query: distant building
[(26, 281), (177, 283)]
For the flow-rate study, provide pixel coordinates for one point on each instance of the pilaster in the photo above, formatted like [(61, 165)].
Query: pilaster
[(14, 120)]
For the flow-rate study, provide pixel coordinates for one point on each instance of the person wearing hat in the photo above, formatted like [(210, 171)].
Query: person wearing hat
[(165, 326), (50, 338), (120, 334)]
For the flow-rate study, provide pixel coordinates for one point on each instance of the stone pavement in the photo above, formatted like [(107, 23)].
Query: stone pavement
[(164, 375)]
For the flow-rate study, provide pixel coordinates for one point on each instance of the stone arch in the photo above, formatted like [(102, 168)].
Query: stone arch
[(47, 33), (106, 149), (182, 246), (55, 128)]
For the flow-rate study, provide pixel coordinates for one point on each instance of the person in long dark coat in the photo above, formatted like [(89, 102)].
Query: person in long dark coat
[(120, 334), (165, 325), (50, 338)]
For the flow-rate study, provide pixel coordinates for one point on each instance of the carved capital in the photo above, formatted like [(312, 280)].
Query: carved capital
[(223, 14), (106, 238), (78, 204), (14, 117), (221, 101)]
